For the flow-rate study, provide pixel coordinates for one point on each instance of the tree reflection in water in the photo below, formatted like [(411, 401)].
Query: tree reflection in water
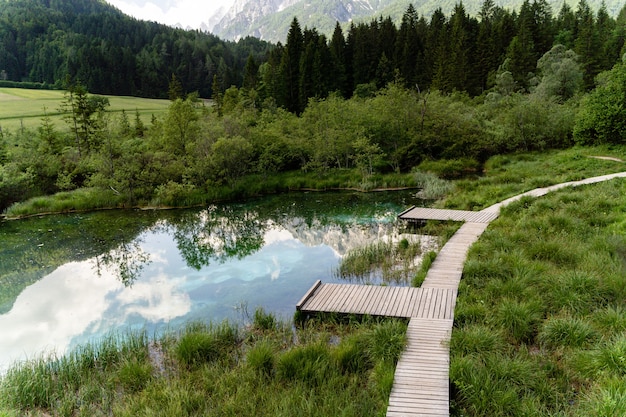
[(125, 262), (217, 234)]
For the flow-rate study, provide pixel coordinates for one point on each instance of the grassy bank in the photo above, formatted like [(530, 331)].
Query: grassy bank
[(541, 313), (177, 195), (268, 369)]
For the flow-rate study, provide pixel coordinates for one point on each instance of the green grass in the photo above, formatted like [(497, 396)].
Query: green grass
[(508, 175), (315, 370), (543, 297), (22, 108)]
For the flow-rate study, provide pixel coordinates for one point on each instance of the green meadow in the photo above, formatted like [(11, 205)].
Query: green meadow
[(22, 108)]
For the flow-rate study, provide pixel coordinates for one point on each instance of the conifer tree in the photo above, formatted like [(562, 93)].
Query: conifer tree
[(338, 61), (587, 44), (290, 68)]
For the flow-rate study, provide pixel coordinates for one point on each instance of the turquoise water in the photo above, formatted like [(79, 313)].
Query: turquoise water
[(69, 279)]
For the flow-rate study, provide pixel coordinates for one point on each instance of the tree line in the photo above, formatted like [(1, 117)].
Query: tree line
[(456, 53), (87, 41)]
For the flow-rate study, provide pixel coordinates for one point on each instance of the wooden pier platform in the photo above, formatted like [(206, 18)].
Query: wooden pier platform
[(374, 300), (423, 213)]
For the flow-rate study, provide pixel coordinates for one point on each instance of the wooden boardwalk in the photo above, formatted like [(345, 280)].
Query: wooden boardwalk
[(374, 300), (424, 213), (421, 382)]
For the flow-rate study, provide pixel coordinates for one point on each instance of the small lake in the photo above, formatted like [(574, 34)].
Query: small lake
[(69, 279)]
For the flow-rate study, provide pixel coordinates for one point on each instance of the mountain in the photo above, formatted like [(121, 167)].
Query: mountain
[(270, 19)]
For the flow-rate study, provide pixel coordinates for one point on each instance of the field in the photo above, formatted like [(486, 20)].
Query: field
[(21, 108)]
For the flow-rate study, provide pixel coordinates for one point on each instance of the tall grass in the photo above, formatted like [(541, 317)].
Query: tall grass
[(542, 297), (389, 261), (217, 369)]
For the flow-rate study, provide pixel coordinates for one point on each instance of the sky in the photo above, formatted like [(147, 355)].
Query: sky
[(187, 13)]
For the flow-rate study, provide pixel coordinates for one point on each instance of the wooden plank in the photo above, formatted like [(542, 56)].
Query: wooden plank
[(308, 294)]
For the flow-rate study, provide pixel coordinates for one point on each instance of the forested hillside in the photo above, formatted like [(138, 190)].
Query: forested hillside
[(47, 41), (446, 53)]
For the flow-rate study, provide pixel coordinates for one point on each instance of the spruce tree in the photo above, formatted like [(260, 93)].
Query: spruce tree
[(290, 68)]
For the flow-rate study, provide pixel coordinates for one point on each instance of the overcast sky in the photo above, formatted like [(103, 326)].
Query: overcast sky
[(171, 12)]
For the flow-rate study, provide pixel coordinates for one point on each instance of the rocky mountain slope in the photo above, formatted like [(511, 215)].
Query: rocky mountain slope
[(270, 19)]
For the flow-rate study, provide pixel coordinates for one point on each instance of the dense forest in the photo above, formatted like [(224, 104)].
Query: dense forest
[(49, 41), (440, 96), (456, 53)]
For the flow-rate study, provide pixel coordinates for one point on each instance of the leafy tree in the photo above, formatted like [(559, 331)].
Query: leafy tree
[(231, 158), (180, 127), (561, 75), (602, 117), (367, 155)]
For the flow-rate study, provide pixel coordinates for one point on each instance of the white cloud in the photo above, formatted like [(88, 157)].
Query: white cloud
[(71, 301), (190, 13)]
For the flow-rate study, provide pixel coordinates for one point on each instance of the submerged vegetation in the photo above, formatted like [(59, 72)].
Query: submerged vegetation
[(218, 369), (393, 262)]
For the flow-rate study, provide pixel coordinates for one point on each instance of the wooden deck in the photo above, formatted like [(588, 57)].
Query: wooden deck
[(374, 300), (423, 213), (421, 381)]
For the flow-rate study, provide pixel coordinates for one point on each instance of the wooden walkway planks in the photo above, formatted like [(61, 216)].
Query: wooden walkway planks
[(402, 302), (446, 270), (424, 213), (421, 386)]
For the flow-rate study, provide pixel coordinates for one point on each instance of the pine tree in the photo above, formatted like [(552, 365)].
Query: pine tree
[(290, 68), (409, 47), (338, 61), (587, 44)]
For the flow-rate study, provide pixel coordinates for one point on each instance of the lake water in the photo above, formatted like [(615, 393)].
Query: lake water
[(68, 279)]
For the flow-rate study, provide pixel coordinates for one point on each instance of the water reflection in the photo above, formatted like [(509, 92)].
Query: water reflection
[(158, 270), (217, 233)]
